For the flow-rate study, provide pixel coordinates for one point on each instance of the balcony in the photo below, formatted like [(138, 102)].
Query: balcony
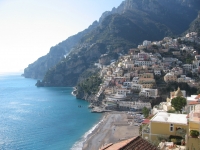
[(145, 129)]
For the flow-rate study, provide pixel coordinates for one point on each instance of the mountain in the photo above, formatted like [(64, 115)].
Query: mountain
[(120, 29), (195, 25), (38, 69)]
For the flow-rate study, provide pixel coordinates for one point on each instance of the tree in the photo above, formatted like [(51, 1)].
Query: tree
[(198, 91), (145, 112), (178, 103)]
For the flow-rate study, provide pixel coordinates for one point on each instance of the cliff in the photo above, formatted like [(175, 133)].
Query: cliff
[(58, 52)]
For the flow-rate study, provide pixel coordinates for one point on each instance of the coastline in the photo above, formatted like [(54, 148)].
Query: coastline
[(79, 144), (114, 127), (73, 91)]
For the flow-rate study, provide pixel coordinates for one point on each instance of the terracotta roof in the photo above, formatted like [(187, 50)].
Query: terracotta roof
[(197, 97), (146, 121), (136, 143), (194, 103)]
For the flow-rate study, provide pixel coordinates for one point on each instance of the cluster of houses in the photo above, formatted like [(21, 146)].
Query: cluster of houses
[(178, 128), (132, 76)]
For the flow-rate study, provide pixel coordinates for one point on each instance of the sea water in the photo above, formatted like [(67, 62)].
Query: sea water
[(41, 118)]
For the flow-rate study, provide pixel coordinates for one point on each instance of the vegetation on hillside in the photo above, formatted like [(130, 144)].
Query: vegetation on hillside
[(88, 86), (172, 86)]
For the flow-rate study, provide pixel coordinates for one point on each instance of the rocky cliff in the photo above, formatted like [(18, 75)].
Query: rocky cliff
[(58, 52), (195, 25)]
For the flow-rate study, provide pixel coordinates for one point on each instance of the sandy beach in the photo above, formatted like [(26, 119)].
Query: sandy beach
[(115, 127)]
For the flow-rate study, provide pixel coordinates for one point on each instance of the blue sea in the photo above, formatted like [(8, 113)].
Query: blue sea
[(44, 118)]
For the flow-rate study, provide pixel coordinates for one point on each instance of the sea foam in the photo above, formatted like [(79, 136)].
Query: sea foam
[(79, 144)]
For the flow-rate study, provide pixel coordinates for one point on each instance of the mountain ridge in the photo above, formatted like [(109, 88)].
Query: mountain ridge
[(38, 68)]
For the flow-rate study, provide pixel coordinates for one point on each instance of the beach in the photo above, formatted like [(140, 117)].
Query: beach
[(114, 127)]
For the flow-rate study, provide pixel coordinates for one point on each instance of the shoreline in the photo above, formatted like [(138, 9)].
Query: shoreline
[(74, 90), (113, 127), (79, 144)]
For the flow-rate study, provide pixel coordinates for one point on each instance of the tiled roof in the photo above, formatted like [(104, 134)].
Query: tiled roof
[(146, 121), (197, 97), (194, 103), (136, 143)]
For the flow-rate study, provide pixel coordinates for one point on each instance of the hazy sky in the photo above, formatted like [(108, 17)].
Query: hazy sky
[(28, 28)]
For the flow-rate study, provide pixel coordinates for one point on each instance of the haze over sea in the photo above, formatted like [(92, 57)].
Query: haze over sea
[(45, 118)]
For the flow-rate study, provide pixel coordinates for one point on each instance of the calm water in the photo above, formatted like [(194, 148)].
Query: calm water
[(34, 118)]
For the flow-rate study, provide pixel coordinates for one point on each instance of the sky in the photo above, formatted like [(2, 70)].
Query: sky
[(28, 28)]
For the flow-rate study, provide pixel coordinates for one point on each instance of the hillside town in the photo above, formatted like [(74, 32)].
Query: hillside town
[(135, 81)]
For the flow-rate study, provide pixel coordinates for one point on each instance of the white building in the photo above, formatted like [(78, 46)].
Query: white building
[(197, 57), (196, 63), (127, 84), (177, 71), (158, 43), (187, 66), (137, 87), (143, 63), (149, 92), (191, 34), (157, 72), (185, 79), (135, 80), (141, 47), (116, 97), (146, 43), (122, 91), (129, 66)]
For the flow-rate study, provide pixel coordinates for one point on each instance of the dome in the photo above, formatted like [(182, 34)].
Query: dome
[(178, 93)]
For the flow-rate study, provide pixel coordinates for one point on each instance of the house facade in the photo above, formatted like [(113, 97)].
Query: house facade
[(164, 124), (170, 77), (193, 125)]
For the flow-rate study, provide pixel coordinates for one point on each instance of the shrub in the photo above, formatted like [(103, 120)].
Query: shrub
[(194, 133), (176, 139)]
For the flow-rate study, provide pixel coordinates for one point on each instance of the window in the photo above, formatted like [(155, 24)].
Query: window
[(171, 127)]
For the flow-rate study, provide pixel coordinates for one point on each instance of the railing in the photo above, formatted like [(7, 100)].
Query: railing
[(146, 129)]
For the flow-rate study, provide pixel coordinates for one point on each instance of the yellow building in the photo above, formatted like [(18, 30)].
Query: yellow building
[(147, 82), (192, 142), (164, 124), (146, 75)]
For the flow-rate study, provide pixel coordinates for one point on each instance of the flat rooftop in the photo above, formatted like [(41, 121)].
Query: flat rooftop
[(170, 118)]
